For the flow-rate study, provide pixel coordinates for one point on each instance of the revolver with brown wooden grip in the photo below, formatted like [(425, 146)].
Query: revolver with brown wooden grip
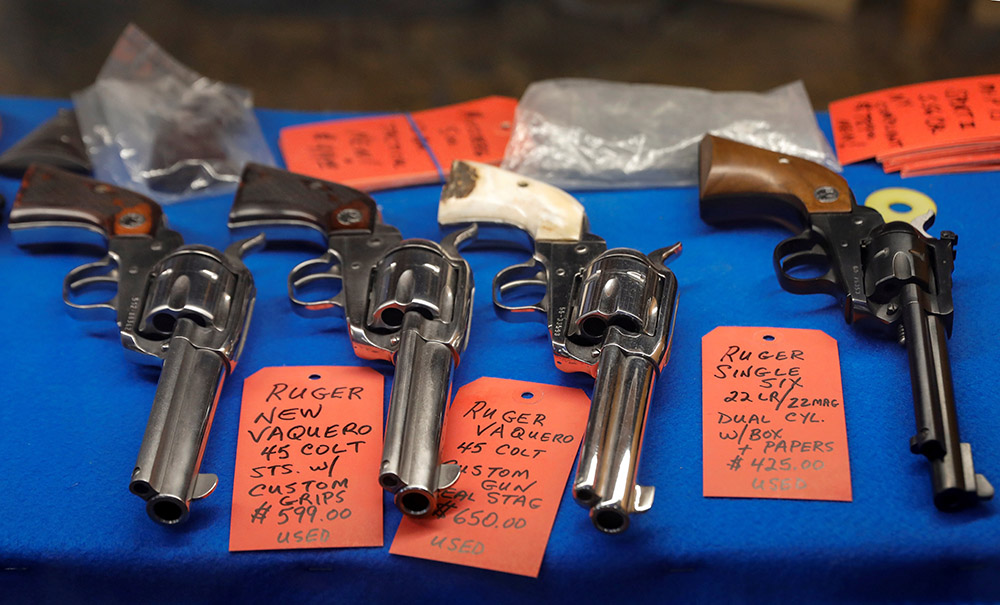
[(185, 306), (406, 301), (890, 275), (610, 314)]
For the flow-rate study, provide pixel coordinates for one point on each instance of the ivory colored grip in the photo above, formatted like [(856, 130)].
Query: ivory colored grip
[(739, 181), (480, 193)]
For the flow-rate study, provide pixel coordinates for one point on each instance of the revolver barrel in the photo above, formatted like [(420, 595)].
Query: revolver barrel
[(956, 484), (166, 471), (420, 394), (609, 457)]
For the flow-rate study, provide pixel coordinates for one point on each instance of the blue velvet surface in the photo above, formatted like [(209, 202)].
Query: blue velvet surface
[(74, 409)]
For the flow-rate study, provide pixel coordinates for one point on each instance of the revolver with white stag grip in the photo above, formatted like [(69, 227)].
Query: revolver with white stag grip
[(185, 306), (892, 276), (610, 314), (405, 301)]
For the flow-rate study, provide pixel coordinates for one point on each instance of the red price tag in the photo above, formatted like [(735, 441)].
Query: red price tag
[(515, 442), (900, 120), (399, 150), (773, 415), (307, 460)]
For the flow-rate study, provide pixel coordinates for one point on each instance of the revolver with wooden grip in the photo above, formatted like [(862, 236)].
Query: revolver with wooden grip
[(405, 301), (610, 314), (185, 306), (890, 275)]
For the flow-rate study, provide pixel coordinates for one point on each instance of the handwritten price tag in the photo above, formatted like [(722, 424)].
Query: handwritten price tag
[(516, 442), (899, 120), (397, 150), (773, 415), (307, 460)]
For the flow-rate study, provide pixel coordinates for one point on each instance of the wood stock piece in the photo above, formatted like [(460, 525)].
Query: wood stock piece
[(743, 182)]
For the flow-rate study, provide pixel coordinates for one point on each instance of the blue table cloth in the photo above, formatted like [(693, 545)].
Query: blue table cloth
[(74, 409)]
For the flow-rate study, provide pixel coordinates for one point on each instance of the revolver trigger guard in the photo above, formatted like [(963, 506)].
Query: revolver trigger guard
[(804, 251), (89, 278), (326, 268), (531, 275)]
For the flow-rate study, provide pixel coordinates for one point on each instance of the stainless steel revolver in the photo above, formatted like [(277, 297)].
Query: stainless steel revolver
[(187, 306), (405, 301), (610, 314)]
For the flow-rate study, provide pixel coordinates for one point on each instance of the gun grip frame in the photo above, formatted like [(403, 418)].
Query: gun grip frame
[(54, 199), (284, 204), (739, 182)]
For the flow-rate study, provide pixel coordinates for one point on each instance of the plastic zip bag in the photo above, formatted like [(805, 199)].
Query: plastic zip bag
[(159, 128), (593, 134)]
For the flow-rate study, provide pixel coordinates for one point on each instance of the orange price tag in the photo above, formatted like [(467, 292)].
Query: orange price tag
[(307, 459), (399, 149), (773, 421), (897, 120), (515, 442)]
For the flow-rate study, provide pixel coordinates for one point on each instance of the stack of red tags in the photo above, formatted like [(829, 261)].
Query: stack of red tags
[(400, 149), (942, 127)]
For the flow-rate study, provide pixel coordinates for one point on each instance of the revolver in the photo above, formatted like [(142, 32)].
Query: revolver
[(892, 276), (185, 306), (610, 314), (408, 302)]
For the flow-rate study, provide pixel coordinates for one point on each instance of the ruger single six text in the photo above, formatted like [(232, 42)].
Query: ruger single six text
[(889, 275)]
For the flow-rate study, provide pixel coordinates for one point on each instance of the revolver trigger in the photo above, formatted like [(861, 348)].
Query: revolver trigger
[(322, 278), (241, 248), (456, 239), (447, 475), (204, 485), (526, 281), (85, 281)]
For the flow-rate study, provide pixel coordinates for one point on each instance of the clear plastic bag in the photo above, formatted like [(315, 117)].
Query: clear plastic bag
[(592, 134), (157, 127)]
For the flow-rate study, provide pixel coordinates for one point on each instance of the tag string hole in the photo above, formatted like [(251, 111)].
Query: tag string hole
[(314, 377), (527, 395), (768, 337)]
